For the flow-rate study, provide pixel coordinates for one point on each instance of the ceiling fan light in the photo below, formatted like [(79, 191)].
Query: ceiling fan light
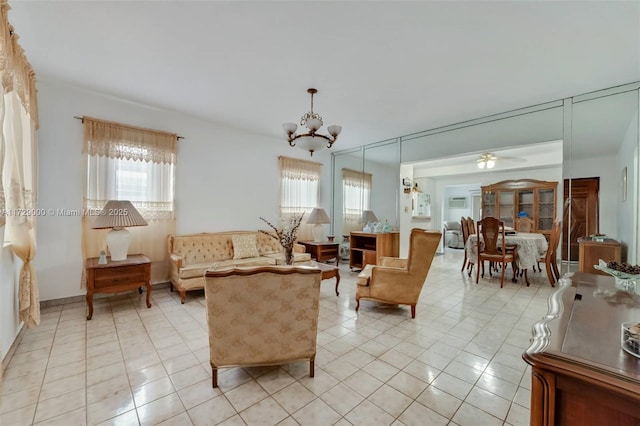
[(490, 164), (480, 164)]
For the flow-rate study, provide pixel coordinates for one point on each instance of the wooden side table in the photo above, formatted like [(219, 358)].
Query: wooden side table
[(323, 250), (117, 276)]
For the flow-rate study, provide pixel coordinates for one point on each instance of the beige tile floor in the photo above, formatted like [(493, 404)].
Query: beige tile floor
[(459, 362)]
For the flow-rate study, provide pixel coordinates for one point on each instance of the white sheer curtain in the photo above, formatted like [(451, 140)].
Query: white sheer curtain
[(129, 163), (18, 165), (299, 190), (356, 190)]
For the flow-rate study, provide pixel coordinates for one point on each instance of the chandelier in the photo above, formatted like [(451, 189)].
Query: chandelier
[(486, 160), (311, 141)]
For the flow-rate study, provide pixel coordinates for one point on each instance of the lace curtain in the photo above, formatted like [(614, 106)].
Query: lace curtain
[(18, 164), (130, 163), (299, 190), (356, 190)]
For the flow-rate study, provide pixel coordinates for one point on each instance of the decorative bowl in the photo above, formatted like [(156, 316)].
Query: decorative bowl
[(630, 338), (624, 281)]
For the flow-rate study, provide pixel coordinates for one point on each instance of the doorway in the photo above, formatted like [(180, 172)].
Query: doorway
[(584, 213)]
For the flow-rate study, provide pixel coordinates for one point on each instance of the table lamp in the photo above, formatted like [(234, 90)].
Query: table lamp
[(117, 215), (317, 217)]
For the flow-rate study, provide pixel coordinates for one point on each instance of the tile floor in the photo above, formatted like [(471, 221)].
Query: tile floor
[(459, 362)]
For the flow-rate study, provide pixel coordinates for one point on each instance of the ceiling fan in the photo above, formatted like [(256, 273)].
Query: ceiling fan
[(488, 160)]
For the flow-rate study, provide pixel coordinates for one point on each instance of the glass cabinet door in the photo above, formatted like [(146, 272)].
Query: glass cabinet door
[(505, 198), (488, 204), (525, 203), (546, 206)]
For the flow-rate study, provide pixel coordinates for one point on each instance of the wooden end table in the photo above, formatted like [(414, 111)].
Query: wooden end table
[(323, 250), (116, 276), (329, 271)]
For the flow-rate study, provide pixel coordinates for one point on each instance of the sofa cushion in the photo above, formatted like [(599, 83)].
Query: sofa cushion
[(244, 246), (196, 270)]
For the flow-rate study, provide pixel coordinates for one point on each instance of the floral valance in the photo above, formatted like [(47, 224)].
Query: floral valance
[(121, 141), (17, 73)]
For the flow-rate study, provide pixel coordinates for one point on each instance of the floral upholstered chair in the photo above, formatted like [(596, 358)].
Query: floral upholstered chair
[(400, 281), (263, 315)]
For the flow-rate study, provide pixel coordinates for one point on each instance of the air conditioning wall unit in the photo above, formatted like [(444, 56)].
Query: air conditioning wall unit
[(457, 202)]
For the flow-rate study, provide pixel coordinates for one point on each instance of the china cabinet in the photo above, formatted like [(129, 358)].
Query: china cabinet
[(509, 199)]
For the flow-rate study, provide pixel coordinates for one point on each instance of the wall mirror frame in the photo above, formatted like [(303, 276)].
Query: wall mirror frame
[(608, 117)]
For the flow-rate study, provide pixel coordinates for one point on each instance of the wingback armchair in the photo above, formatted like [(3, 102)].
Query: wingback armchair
[(263, 315), (400, 281)]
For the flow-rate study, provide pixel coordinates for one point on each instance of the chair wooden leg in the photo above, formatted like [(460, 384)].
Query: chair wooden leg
[(413, 311), (550, 275), (502, 277), (312, 368), (357, 303), (214, 377), (464, 262), (554, 264)]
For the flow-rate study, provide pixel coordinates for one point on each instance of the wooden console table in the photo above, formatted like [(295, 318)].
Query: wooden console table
[(580, 374), (117, 276), (591, 251)]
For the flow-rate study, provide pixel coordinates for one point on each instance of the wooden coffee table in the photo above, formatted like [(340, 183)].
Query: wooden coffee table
[(329, 271), (324, 250)]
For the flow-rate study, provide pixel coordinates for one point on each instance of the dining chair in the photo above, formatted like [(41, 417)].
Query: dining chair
[(551, 256), (492, 230), (465, 237), (524, 224)]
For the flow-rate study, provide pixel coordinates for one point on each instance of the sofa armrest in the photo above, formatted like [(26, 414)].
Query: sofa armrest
[(176, 260)]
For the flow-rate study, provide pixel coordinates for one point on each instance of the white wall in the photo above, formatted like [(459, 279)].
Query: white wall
[(225, 178), (627, 210)]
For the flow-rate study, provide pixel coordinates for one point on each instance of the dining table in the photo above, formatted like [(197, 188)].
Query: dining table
[(531, 247)]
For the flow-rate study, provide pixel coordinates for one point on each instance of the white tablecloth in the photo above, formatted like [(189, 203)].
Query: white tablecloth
[(531, 247)]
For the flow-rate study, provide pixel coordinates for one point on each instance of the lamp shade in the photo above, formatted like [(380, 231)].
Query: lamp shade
[(368, 216), (118, 214), (318, 216)]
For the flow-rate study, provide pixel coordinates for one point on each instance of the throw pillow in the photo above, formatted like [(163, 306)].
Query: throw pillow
[(244, 246)]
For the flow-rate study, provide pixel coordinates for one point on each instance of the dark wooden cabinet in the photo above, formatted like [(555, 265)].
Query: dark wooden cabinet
[(322, 251), (367, 248), (505, 200), (580, 373)]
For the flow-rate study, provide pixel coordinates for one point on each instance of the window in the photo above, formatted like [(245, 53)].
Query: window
[(356, 190), (299, 185), (129, 163)]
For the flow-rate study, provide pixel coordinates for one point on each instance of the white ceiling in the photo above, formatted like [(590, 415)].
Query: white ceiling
[(383, 69)]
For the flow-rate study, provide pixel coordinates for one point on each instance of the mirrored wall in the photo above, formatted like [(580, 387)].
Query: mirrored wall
[(600, 138)]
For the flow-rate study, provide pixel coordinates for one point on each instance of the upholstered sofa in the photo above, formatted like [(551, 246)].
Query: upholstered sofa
[(264, 315), (194, 254)]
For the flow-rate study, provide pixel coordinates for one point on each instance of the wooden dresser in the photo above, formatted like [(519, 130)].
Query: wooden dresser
[(591, 251), (580, 374)]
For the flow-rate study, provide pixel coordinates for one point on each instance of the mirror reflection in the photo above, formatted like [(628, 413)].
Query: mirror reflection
[(592, 137), (599, 186)]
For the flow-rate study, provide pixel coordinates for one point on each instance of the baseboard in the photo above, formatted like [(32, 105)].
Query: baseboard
[(82, 298)]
